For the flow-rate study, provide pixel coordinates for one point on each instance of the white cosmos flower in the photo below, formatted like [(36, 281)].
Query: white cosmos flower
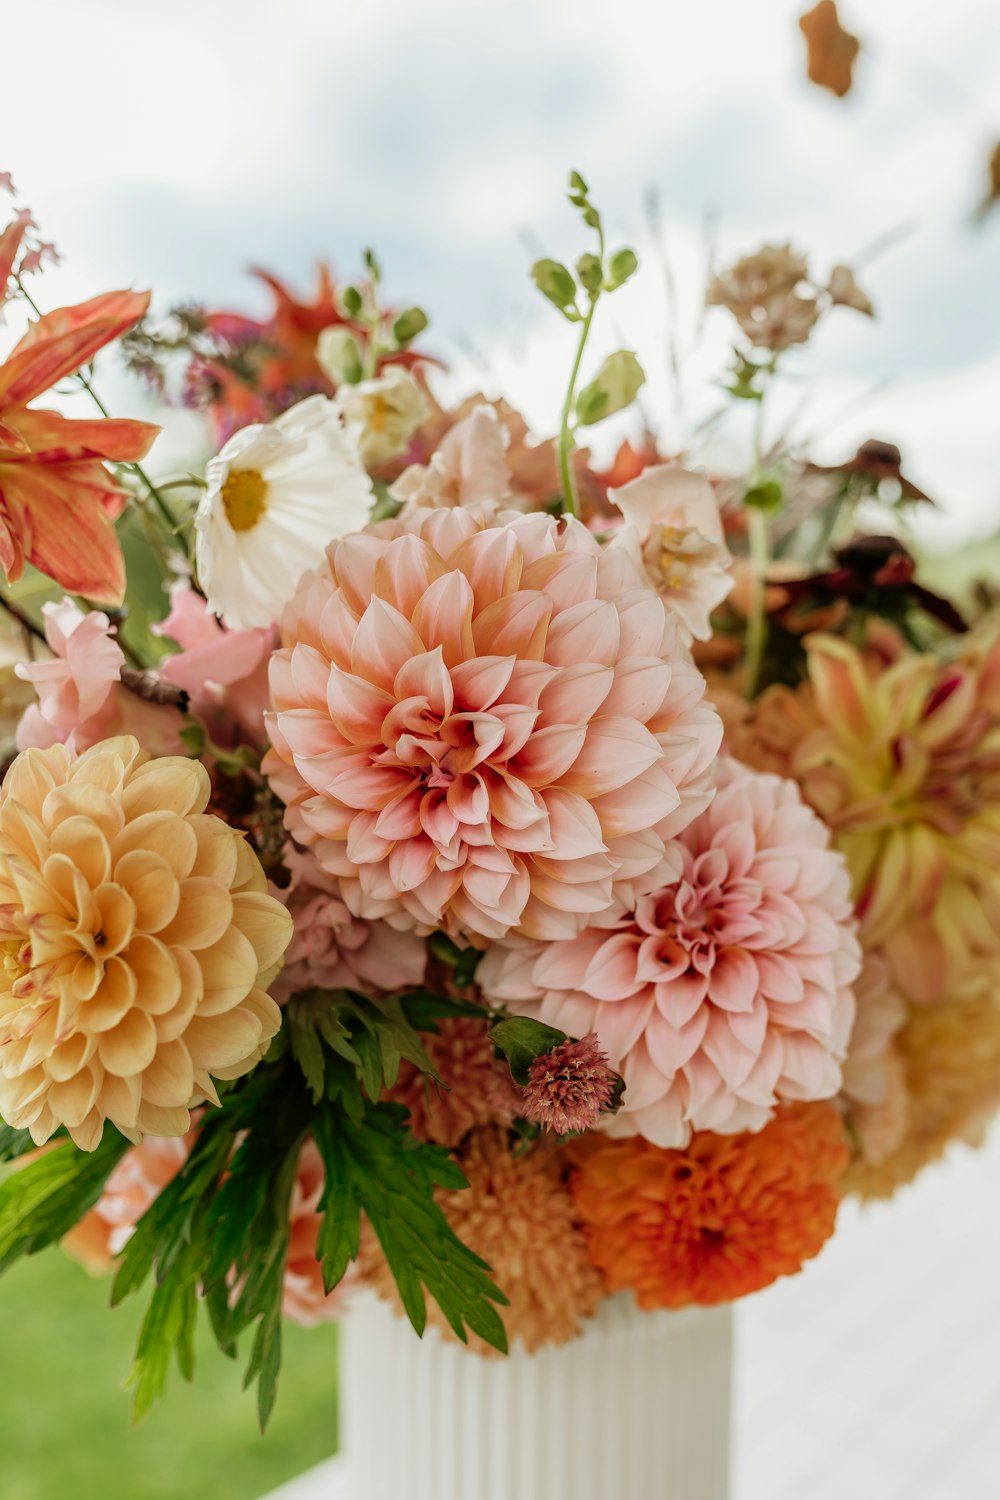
[(277, 495)]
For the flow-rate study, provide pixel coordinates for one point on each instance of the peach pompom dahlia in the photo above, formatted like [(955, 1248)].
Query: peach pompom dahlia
[(517, 1214), (483, 722), (725, 990), (724, 1217), (137, 936)]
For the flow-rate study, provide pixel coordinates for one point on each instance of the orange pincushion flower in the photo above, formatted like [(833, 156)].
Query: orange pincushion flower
[(724, 1217)]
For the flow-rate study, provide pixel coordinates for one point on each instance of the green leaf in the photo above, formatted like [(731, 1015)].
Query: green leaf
[(379, 1169), (422, 1008), (351, 301), (521, 1040), (622, 264), (386, 506), (464, 961), (577, 185), (554, 281), (766, 496), (615, 386), (372, 265), (591, 273), (408, 325), (14, 1143), (338, 353), (43, 1199)]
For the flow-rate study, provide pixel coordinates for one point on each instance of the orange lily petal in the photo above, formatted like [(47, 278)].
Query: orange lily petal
[(65, 526), (10, 243), (63, 340), (53, 438)]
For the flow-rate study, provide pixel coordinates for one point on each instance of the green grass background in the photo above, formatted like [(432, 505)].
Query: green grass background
[(64, 1419)]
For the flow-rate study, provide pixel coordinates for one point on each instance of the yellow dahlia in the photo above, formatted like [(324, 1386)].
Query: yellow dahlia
[(951, 1059), (901, 757), (137, 938)]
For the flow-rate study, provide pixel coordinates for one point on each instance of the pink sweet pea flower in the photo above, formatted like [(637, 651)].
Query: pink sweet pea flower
[(223, 671), (76, 699)]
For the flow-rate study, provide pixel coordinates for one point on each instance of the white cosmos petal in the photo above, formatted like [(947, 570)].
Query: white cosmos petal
[(316, 491)]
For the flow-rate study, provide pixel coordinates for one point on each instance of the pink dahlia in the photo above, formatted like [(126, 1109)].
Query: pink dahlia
[(723, 992), (333, 950), (483, 722)]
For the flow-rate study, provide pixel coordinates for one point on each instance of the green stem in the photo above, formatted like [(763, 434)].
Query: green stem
[(756, 640), (566, 441), (27, 624), (757, 623)]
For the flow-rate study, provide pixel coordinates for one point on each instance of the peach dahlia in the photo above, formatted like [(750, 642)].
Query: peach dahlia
[(138, 937), (482, 722)]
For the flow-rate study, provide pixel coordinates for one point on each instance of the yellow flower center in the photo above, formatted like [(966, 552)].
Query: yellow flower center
[(378, 414), (674, 566), (16, 958), (244, 498)]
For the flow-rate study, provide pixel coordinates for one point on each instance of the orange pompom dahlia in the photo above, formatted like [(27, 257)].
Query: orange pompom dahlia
[(724, 1217), (137, 938)]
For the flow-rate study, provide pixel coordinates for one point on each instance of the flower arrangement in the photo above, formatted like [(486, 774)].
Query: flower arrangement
[(436, 864)]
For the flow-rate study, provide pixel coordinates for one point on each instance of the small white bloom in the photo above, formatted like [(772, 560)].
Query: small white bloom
[(673, 532), (277, 495), (381, 415)]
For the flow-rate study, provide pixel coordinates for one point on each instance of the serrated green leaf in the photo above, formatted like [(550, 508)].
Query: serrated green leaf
[(521, 1039), (614, 387), (379, 1169)]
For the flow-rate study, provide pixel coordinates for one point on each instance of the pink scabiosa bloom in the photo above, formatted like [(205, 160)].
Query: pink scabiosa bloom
[(569, 1088), (674, 533), (725, 991), (331, 949), (482, 723), (468, 468)]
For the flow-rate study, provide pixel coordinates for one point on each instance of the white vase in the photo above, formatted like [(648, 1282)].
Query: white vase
[(637, 1408)]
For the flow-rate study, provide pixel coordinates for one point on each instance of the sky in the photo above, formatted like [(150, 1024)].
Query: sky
[(174, 142)]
